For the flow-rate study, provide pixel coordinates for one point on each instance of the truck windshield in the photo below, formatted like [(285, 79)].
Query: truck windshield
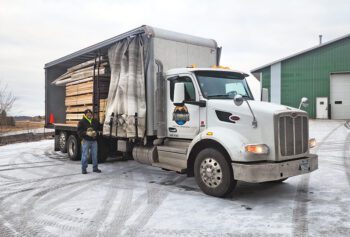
[(222, 85)]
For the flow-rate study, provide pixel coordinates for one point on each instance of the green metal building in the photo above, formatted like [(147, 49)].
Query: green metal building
[(321, 73)]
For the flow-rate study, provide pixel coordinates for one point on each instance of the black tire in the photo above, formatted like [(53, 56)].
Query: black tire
[(213, 173), (73, 148), (57, 142), (62, 142)]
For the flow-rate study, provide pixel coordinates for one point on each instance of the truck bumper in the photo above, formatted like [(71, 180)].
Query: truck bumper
[(263, 172)]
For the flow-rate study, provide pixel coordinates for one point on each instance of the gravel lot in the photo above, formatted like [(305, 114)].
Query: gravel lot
[(44, 194)]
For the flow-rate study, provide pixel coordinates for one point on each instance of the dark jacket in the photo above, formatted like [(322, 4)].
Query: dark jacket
[(84, 124)]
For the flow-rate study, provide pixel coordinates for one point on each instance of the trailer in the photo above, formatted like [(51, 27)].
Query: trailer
[(170, 105), (170, 49)]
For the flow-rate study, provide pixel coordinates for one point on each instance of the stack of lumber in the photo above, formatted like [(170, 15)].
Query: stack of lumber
[(79, 85)]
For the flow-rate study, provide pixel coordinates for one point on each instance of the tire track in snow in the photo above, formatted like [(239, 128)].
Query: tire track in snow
[(29, 217), (346, 157), (300, 222), (155, 198), (101, 214), (13, 218), (123, 212), (21, 219), (202, 233)]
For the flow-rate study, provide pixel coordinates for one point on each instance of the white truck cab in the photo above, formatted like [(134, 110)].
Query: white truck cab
[(221, 134)]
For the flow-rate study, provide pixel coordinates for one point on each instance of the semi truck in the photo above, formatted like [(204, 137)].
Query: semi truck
[(170, 105)]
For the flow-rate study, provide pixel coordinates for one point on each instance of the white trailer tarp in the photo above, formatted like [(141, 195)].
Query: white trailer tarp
[(126, 94)]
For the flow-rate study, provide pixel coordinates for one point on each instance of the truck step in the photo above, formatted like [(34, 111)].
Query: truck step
[(172, 156), (170, 167), (172, 149), (177, 143)]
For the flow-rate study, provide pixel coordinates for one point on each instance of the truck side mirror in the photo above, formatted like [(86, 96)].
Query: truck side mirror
[(179, 93), (304, 102), (238, 99)]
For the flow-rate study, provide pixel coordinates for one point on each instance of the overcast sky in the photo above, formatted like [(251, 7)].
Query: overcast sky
[(252, 33)]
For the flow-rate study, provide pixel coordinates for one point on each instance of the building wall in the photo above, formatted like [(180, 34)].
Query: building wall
[(308, 75), (275, 83), (266, 79)]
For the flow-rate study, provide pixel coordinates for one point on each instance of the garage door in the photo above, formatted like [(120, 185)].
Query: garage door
[(340, 96)]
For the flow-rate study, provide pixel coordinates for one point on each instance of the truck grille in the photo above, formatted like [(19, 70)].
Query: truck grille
[(293, 134)]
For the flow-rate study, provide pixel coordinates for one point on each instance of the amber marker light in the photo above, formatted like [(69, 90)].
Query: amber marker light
[(312, 142), (257, 149)]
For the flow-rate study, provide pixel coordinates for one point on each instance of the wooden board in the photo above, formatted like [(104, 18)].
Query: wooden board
[(83, 75), (86, 64), (103, 104), (101, 78), (79, 100), (79, 86), (79, 116), (89, 73), (80, 109), (72, 123), (80, 68), (86, 87)]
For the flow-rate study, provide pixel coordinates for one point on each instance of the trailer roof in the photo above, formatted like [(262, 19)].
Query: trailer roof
[(90, 52)]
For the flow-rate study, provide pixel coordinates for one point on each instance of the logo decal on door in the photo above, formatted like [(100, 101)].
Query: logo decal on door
[(181, 115)]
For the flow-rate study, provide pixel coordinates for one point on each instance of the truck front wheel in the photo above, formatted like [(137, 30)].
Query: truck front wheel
[(213, 173), (73, 148)]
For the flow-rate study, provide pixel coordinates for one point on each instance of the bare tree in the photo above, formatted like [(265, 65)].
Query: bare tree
[(7, 99)]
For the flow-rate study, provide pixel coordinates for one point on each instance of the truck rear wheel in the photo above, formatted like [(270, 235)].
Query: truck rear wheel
[(62, 142), (57, 142), (73, 148), (213, 173)]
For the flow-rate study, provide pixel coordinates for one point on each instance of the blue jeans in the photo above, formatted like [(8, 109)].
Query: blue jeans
[(85, 147)]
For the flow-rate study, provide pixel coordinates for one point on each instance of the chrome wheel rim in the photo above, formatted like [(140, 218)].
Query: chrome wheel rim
[(211, 173), (62, 140)]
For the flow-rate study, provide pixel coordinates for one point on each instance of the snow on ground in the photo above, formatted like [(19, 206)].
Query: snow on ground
[(33, 130), (42, 193)]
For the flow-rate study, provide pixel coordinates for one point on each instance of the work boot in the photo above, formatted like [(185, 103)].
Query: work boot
[(83, 172), (96, 170)]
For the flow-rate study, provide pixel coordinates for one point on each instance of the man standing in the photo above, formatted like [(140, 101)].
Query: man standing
[(87, 131)]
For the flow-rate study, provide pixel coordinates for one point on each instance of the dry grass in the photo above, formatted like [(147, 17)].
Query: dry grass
[(22, 125)]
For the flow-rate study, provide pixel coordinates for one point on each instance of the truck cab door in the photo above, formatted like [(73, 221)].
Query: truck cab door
[(182, 120)]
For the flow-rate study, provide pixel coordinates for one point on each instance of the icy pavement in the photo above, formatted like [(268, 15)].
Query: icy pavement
[(43, 194), (33, 130)]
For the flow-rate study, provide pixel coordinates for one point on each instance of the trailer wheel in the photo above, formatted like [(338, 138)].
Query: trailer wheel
[(62, 142), (213, 173), (73, 148), (57, 142)]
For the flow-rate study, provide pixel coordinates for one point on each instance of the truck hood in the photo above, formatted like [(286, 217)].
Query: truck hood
[(259, 108), (220, 110)]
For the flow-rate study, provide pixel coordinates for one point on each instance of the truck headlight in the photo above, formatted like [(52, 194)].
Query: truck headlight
[(257, 148), (312, 142)]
